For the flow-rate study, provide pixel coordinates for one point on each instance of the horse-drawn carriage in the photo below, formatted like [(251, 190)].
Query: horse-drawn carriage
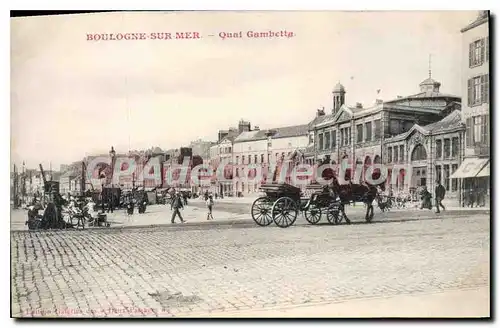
[(283, 202)]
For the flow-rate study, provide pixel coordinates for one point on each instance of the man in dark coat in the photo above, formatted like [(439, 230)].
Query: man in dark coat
[(440, 192), (176, 206), (426, 199)]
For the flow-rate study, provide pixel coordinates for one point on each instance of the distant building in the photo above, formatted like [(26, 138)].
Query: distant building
[(368, 135), (221, 154), (474, 172), (261, 148), (434, 151), (201, 148)]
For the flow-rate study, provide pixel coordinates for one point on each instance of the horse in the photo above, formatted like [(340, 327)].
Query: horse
[(350, 193)]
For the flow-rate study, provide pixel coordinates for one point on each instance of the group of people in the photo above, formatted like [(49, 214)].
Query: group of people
[(179, 200), (439, 194), (475, 197)]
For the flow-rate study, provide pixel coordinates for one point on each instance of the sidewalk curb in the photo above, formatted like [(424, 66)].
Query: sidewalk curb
[(248, 312), (236, 222), (251, 224)]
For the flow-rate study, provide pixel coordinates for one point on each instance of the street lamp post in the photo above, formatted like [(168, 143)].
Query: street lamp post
[(112, 154), (269, 135)]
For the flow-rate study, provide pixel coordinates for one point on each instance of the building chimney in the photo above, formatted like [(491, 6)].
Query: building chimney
[(222, 134), (359, 105), (244, 126), (320, 112), (379, 101)]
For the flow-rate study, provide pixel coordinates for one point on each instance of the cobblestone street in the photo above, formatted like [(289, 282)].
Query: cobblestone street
[(176, 271)]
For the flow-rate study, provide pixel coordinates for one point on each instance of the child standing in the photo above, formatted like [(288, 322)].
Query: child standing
[(210, 204)]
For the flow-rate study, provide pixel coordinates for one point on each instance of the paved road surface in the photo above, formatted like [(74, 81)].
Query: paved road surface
[(214, 269)]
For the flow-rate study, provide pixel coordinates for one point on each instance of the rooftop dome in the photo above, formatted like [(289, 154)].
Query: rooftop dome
[(429, 81), (339, 88), (429, 85)]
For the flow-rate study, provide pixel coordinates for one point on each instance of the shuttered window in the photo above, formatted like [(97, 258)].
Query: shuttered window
[(471, 54), (478, 90), (468, 132), (476, 52), (487, 48), (477, 122), (484, 89), (485, 128)]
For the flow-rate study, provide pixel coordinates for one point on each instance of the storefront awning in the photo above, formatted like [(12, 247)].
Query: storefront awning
[(485, 172), (469, 168)]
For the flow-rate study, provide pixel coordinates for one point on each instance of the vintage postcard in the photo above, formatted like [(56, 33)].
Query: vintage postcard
[(250, 164)]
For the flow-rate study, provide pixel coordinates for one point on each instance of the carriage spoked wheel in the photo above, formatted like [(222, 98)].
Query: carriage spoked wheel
[(312, 214), (261, 211), (284, 212), (334, 213)]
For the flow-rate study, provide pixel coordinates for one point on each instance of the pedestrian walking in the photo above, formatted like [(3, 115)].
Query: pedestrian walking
[(426, 199), (440, 192), (177, 206), (210, 204)]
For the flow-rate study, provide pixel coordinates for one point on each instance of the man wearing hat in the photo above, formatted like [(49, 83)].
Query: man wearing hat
[(176, 206)]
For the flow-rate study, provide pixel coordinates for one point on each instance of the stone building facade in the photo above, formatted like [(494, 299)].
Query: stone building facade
[(434, 152), (359, 135), (263, 149), (474, 172), (221, 154)]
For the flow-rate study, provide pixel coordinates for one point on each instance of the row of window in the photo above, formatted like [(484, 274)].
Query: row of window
[(396, 154), (477, 131), (368, 132), (478, 90), (225, 150), (255, 158), (450, 149), (250, 187), (443, 174), (365, 132), (479, 52)]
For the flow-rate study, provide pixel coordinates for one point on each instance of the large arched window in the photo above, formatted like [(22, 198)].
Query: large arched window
[(377, 160), (419, 153)]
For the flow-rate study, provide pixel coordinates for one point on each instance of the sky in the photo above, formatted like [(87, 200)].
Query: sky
[(71, 97)]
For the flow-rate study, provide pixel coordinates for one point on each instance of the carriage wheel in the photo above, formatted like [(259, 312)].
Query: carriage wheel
[(285, 212), (312, 214), (261, 211), (334, 214)]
